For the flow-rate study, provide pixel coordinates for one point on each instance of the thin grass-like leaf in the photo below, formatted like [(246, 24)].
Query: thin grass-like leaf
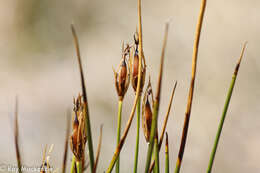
[(192, 84), (66, 143), (167, 166), (220, 127), (16, 137), (98, 149)]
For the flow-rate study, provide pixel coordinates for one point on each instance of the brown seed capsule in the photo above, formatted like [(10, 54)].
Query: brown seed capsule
[(122, 75), (147, 111), (134, 64), (78, 136)]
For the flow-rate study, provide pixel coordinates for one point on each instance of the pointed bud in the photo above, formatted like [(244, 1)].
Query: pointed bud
[(147, 112), (78, 136), (135, 66), (122, 75)]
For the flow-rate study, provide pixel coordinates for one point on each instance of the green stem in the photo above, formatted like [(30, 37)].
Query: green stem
[(220, 127), (90, 143), (166, 155), (79, 166), (120, 103), (177, 168), (19, 167), (137, 135), (151, 140), (221, 124), (156, 153), (72, 169)]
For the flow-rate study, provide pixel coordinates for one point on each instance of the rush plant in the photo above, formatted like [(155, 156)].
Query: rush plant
[(131, 69)]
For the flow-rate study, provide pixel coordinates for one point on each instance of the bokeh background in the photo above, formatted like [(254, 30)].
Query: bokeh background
[(38, 64)]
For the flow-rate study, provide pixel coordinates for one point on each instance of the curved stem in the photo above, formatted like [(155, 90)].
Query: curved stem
[(137, 135), (119, 131), (192, 85)]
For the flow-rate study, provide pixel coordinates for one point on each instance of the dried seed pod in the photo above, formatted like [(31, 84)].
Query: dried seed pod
[(122, 75), (78, 136), (147, 111), (134, 65)]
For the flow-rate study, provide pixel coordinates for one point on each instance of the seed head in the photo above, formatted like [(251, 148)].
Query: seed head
[(78, 136), (122, 75), (134, 65), (147, 111)]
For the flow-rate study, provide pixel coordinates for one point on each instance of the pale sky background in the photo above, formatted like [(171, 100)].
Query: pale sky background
[(38, 64)]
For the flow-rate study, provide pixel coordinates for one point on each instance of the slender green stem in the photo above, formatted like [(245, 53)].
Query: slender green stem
[(166, 155), (221, 123), (220, 127), (137, 134), (90, 143), (79, 166), (120, 103), (98, 149), (156, 154), (65, 155), (72, 169), (177, 168)]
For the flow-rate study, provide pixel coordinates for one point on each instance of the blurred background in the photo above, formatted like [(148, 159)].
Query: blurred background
[(38, 63)]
